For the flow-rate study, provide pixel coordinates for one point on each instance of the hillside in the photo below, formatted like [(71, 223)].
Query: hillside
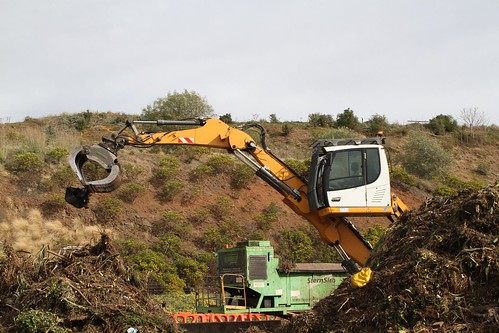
[(176, 206)]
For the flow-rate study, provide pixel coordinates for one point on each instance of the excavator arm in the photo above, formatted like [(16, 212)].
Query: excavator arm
[(334, 229)]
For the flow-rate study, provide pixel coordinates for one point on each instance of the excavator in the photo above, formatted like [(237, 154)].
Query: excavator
[(347, 177)]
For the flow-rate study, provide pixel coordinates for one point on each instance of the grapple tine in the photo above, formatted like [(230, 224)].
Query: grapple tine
[(103, 158)]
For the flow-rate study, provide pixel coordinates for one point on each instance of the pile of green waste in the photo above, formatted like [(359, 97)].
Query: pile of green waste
[(77, 289), (436, 270)]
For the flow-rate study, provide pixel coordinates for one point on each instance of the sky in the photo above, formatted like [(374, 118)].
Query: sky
[(405, 59)]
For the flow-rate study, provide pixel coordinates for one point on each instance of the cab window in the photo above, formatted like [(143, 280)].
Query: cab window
[(345, 170), (373, 165)]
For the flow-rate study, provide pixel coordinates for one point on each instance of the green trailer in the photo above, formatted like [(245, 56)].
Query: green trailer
[(250, 281)]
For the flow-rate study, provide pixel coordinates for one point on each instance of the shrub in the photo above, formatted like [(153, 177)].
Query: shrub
[(131, 171), (334, 133), (377, 123), (201, 171), (294, 246), (173, 222), (222, 207), (191, 271), (398, 174), (24, 163), (286, 129), (129, 192), (108, 209), (374, 234), (269, 216), (55, 155), (221, 162), (445, 191), (169, 245), (168, 169), (61, 178), (425, 157), (213, 239), (300, 166), (241, 177), (170, 190)]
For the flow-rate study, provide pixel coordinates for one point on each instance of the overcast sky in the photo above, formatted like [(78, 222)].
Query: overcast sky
[(407, 60)]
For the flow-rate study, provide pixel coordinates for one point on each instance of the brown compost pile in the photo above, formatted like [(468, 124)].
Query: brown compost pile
[(436, 270), (86, 289)]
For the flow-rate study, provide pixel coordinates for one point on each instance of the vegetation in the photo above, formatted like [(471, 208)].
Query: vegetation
[(425, 157), (196, 200), (185, 105)]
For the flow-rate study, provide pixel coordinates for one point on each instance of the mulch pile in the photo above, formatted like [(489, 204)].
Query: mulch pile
[(86, 289), (436, 270)]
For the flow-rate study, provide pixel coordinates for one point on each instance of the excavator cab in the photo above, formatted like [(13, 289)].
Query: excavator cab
[(349, 177)]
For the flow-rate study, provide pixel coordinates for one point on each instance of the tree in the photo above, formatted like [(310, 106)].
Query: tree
[(442, 124), (177, 106), (472, 119), (226, 118), (320, 120), (347, 119), (377, 123), (273, 118)]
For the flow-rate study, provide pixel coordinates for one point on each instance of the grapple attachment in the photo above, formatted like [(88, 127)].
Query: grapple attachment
[(100, 157)]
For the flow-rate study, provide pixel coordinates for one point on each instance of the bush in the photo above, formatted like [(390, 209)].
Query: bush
[(294, 246), (169, 245), (191, 271), (213, 239), (201, 171), (172, 222), (377, 123), (221, 162), (374, 234), (170, 190), (398, 174), (241, 177), (445, 191), (300, 166), (222, 207), (129, 192), (169, 166), (61, 178), (335, 133), (425, 157), (268, 217), (108, 209), (55, 155), (347, 119), (25, 163), (286, 129)]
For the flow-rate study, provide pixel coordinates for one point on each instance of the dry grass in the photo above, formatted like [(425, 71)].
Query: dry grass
[(30, 233)]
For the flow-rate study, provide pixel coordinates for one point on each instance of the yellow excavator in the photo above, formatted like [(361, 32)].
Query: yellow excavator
[(348, 177)]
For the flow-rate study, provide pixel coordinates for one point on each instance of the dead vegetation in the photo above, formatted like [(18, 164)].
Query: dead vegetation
[(81, 289), (435, 271)]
